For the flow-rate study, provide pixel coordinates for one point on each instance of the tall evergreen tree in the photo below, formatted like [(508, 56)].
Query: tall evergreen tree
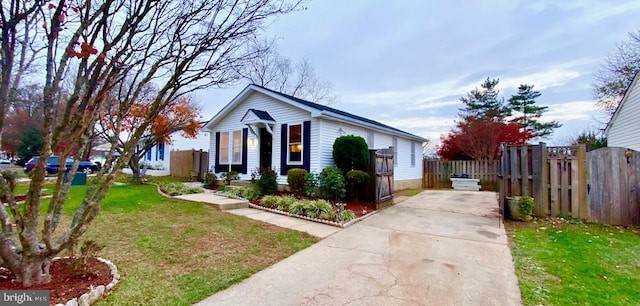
[(484, 103), (31, 143), (528, 113)]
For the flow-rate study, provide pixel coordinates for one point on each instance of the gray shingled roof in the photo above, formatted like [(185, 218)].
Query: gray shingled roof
[(325, 108)]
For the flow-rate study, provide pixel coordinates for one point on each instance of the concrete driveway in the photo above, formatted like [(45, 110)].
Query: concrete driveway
[(436, 248)]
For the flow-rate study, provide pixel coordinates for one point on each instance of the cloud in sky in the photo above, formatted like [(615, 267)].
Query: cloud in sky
[(407, 63)]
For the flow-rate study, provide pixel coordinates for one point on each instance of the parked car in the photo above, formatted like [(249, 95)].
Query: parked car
[(53, 165)]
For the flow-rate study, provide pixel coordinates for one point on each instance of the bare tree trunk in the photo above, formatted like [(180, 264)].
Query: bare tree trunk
[(33, 270), (134, 164)]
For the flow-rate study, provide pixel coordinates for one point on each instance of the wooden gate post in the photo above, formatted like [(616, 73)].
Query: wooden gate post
[(582, 182), (539, 174)]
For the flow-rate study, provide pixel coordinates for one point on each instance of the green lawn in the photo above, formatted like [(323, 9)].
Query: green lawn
[(559, 263), (172, 252)]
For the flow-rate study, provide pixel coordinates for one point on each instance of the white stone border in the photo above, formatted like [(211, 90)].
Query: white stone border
[(332, 223), (96, 293)]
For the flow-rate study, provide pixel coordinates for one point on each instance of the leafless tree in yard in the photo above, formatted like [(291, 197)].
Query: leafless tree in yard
[(178, 46), (617, 73), (280, 73)]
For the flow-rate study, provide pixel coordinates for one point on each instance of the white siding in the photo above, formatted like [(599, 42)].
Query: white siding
[(281, 112), (404, 170), (330, 130), (623, 131)]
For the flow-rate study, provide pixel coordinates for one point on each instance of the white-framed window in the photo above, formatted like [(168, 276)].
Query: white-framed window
[(413, 154), (224, 147), (395, 151), (236, 157), (231, 147), (369, 134), (160, 151), (295, 144)]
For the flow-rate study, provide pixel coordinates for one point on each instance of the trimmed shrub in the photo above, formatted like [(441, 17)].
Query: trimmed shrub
[(331, 184), (357, 182), (350, 152), (311, 184), (266, 180), (210, 180), (296, 179), (227, 177), (358, 177)]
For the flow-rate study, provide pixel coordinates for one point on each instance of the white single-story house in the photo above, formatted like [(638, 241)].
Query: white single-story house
[(622, 129), (265, 128)]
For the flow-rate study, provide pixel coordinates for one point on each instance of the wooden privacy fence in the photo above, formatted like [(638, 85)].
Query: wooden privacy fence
[(381, 172), (554, 176), (614, 186), (436, 173), (189, 163)]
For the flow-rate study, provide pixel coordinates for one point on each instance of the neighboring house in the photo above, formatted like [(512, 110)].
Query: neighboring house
[(159, 156), (622, 129), (264, 128)]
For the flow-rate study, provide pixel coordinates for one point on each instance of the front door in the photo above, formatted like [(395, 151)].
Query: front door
[(265, 148)]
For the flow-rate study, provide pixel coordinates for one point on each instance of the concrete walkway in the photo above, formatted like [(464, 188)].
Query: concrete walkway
[(219, 202), (312, 228), (436, 248), (241, 207)]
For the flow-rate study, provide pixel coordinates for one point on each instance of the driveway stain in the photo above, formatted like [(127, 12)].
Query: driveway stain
[(488, 234)]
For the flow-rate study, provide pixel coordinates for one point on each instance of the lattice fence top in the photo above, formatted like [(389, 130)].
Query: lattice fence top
[(560, 152)]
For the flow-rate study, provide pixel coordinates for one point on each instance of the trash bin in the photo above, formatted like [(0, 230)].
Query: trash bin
[(79, 178)]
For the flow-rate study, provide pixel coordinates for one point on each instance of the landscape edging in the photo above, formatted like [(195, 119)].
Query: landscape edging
[(332, 223), (96, 293)]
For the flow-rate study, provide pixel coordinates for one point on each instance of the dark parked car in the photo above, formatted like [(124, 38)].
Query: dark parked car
[(53, 164)]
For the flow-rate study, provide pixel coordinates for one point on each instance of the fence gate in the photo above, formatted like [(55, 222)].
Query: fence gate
[(383, 177), (614, 186)]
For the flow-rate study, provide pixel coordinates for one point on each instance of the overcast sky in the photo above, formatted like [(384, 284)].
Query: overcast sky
[(407, 63)]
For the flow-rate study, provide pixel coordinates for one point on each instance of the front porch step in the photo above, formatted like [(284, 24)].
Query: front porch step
[(219, 202)]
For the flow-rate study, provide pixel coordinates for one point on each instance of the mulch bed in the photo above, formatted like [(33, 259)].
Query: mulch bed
[(359, 208), (65, 284), (18, 198)]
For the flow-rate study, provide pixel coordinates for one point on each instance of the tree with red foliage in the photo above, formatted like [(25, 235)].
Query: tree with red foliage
[(479, 139), (181, 115)]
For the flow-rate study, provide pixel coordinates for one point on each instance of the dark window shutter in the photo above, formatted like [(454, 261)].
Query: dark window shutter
[(217, 164), (283, 149), (306, 146), (245, 134)]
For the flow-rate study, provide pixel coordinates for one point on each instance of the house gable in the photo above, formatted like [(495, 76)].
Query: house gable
[(622, 129), (254, 111)]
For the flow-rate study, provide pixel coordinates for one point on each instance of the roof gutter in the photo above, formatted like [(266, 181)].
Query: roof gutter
[(335, 117)]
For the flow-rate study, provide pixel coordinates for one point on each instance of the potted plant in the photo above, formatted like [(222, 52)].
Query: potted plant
[(520, 208)]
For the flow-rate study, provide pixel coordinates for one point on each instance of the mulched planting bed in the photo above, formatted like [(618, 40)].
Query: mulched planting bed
[(359, 208), (65, 284)]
